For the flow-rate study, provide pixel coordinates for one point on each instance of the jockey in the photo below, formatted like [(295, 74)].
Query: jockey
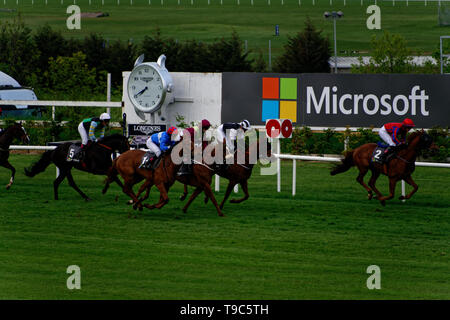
[(394, 134), (90, 126), (159, 142), (227, 133), (194, 132)]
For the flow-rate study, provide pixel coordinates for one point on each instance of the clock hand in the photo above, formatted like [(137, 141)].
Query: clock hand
[(140, 92)]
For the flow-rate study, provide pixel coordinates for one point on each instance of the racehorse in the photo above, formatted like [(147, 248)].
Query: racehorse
[(97, 160), (163, 176), (200, 177), (236, 173), (399, 168), (16, 131)]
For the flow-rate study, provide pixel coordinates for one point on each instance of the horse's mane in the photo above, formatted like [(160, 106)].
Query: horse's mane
[(414, 135), (113, 137)]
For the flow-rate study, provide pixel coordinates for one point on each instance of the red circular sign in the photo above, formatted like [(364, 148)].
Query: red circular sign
[(273, 128), (286, 128)]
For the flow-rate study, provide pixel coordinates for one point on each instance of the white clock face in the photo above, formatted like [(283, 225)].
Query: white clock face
[(145, 88)]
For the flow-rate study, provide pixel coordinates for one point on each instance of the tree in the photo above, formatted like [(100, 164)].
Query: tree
[(308, 51), (389, 55)]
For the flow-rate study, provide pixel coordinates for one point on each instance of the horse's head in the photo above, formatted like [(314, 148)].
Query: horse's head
[(116, 142), (19, 132)]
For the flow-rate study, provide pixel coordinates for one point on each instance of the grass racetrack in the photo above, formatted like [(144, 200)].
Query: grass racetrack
[(316, 245)]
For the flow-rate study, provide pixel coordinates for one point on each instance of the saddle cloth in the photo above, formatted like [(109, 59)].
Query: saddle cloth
[(74, 153), (147, 164)]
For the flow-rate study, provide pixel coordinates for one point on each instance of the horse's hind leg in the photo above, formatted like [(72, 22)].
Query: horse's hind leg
[(411, 182), (62, 175), (372, 181), (244, 186), (360, 179), (185, 193), (73, 185), (7, 165)]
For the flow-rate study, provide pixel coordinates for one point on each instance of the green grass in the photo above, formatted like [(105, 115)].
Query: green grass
[(416, 22), (316, 245)]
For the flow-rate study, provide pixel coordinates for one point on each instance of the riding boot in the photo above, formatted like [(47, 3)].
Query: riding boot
[(387, 153), (185, 169)]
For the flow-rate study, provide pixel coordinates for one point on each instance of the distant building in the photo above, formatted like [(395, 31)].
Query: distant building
[(344, 64)]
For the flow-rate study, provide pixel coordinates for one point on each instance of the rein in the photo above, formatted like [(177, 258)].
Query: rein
[(104, 146), (202, 164)]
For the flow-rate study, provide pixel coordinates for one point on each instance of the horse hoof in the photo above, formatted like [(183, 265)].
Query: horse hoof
[(129, 202), (116, 198), (183, 197), (383, 203), (8, 186), (369, 196), (401, 198), (206, 200)]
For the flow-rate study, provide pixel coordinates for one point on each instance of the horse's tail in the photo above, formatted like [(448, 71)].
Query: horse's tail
[(346, 164), (40, 165)]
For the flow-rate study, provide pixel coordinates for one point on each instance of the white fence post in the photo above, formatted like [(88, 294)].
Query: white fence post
[(294, 176), (403, 190), (217, 183), (108, 92), (278, 166)]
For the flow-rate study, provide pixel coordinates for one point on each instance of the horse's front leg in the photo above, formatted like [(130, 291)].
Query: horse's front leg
[(392, 183), (7, 165), (411, 182), (163, 199)]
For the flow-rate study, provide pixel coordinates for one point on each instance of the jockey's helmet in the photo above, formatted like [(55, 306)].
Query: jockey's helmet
[(105, 116), (171, 130), (245, 124), (408, 123)]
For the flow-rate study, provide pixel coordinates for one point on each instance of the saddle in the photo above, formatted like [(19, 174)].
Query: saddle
[(75, 153), (148, 163)]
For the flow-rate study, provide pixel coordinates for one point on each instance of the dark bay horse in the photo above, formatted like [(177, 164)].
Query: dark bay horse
[(97, 160), (236, 173), (399, 168), (16, 131)]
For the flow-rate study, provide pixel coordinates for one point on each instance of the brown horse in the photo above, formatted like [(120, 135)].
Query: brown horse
[(16, 131), (200, 178), (399, 168), (163, 177), (236, 174)]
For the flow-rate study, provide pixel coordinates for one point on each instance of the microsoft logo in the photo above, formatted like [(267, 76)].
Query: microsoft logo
[(279, 98)]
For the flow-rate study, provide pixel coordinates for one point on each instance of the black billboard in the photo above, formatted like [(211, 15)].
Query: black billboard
[(336, 100)]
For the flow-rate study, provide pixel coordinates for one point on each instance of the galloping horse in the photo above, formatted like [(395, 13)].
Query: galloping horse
[(97, 160), (236, 174), (163, 177), (399, 168), (6, 138)]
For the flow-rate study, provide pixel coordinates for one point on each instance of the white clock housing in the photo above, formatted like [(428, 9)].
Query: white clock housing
[(148, 84)]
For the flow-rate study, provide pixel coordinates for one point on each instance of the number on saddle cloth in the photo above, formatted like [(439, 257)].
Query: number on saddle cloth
[(378, 153), (74, 154)]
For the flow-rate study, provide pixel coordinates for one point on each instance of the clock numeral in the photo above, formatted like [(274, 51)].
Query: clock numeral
[(136, 78), (153, 102), (140, 102), (160, 88), (146, 104), (158, 96), (133, 87), (140, 72), (146, 70)]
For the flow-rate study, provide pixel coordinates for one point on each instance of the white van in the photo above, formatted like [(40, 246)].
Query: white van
[(10, 89)]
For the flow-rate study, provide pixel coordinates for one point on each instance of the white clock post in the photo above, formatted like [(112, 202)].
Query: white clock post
[(145, 92)]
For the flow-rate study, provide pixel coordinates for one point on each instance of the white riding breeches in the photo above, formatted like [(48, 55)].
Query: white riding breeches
[(386, 136), (153, 147), (83, 134)]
